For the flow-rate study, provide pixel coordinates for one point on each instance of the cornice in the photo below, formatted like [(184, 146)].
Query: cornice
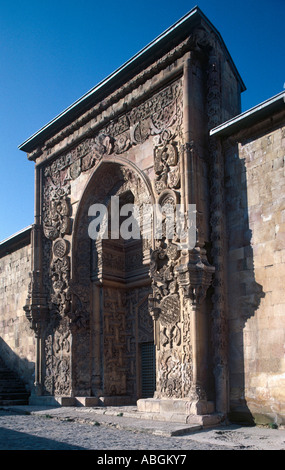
[(116, 103), (171, 45)]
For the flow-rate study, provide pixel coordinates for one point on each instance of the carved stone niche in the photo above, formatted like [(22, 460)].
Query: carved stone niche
[(118, 260)]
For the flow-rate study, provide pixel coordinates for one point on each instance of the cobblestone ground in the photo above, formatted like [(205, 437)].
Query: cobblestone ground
[(30, 432), (115, 431)]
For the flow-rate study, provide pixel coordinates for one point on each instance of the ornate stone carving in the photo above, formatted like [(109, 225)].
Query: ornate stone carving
[(170, 335), (170, 309), (36, 308), (189, 43), (216, 165), (79, 313), (56, 216), (165, 167), (60, 276), (163, 261), (159, 117), (187, 362), (140, 132), (145, 322), (196, 276), (169, 375), (114, 342), (56, 211), (57, 361), (60, 248)]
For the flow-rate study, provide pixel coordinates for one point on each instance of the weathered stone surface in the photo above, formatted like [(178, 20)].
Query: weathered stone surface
[(17, 342), (255, 201), (213, 313)]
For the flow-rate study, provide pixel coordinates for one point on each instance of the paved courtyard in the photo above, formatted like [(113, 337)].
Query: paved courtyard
[(87, 429), (44, 433)]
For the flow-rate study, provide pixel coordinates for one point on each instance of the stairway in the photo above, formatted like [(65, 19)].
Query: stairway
[(12, 389)]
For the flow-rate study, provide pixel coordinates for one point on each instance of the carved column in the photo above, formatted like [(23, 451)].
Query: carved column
[(36, 308), (180, 277), (218, 237), (49, 299), (165, 302), (194, 272)]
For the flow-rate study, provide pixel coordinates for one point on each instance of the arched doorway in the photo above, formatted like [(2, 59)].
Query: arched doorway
[(113, 341)]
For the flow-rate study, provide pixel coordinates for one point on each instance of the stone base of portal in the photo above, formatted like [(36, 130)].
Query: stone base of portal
[(199, 412), (180, 411), (62, 401), (36, 400)]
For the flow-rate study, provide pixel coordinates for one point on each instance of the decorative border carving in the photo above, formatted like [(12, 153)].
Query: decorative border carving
[(216, 165), (134, 84), (159, 117)]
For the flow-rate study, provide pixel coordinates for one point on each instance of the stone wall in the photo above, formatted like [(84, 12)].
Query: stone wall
[(150, 140), (17, 342), (147, 138), (255, 182)]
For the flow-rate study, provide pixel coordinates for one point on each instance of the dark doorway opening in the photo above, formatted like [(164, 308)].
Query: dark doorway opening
[(147, 369)]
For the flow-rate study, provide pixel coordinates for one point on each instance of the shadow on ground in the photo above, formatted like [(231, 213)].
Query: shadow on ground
[(16, 440)]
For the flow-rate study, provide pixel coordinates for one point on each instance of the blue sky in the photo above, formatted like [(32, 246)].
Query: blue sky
[(53, 52)]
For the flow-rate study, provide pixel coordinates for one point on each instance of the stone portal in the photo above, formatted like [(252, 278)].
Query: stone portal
[(114, 272), (99, 307)]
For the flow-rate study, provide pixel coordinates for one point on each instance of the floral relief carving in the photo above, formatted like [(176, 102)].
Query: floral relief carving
[(57, 360), (169, 376), (56, 206), (60, 276), (217, 222), (166, 168), (164, 302), (159, 118)]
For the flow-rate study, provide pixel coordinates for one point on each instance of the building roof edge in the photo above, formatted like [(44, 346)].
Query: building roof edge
[(69, 113), (251, 116), (17, 235)]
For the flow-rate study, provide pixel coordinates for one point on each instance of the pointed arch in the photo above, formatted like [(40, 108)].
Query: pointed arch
[(107, 275)]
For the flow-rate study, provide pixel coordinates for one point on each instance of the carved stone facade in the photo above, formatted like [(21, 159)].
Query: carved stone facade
[(99, 307), (100, 300)]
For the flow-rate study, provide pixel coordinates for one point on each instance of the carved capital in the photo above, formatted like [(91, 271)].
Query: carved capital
[(36, 308), (37, 314), (195, 277)]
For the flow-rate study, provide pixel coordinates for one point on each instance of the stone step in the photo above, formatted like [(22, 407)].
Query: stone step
[(12, 389), (15, 380), (11, 384), (13, 402), (7, 374), (13, 395)]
